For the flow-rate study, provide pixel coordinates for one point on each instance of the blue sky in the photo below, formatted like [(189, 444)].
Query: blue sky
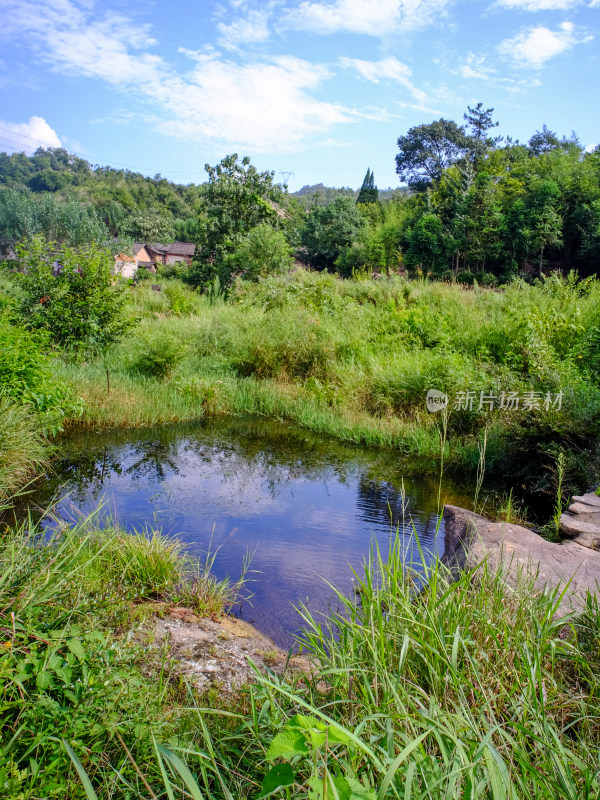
[(320, 88)]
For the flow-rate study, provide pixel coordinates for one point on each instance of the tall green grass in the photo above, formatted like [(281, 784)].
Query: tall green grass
[(355, 359), (421, 687), (23, 446), (77, 679)]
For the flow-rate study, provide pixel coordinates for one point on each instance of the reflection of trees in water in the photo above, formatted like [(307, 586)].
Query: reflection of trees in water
[(380, 504), (246, 453)]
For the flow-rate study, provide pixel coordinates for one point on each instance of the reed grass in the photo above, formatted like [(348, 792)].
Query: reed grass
[(23, 446)]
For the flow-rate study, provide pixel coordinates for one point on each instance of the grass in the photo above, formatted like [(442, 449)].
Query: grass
[(74, 670), (461, 688), (23, 446), (355, 359)]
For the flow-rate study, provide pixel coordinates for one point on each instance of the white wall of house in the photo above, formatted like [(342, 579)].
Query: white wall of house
[(125, 267)]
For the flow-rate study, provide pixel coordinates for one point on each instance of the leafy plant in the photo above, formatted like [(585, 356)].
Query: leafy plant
[(72, 294)]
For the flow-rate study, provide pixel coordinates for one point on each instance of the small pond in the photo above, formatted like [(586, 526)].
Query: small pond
[(307, 507)]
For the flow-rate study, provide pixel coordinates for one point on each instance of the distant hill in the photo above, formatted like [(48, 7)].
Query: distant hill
[(320, 195)]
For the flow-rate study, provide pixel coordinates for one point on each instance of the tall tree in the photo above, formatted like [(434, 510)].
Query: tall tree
[(543, 141), (479, 122), (427, 150), (238, 198), (369, 193)]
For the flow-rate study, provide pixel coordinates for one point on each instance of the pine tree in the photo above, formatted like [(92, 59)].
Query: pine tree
[(369, 193)]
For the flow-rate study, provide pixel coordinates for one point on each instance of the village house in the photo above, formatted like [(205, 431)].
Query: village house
[(149, 256)]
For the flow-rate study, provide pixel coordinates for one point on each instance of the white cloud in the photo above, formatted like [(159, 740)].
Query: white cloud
[(539, 5), (264, 106), (535, 46), (252, 29), (385, 69), (26, 137), (110, 48), (373, 17)]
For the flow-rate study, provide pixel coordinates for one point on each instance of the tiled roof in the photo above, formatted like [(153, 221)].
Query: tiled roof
[(157, 247), (182, 249)]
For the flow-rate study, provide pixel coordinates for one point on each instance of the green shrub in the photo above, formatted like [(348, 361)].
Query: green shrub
[(26, 377), (263, 251), (156, 354), (72, 294), (182, 301)]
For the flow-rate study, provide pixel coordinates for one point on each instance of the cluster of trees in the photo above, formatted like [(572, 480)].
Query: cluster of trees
[(493, 207), (474, 206)]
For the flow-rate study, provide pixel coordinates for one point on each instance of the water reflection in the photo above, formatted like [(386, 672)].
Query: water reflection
[(308, 508)]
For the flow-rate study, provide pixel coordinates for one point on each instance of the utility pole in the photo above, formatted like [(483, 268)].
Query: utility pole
[(285, 176)]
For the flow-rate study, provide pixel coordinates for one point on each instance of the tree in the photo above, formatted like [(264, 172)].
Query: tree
[(71, 293), (543, 141), (329, 230), (368, 193), (48, 180), (238, 198), (479, 122), (427, 150), (545, 221), (22, 215), (150, 225), (264, 251), (429, 245)]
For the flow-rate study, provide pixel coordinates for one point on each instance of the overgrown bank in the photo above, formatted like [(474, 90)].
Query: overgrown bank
[(355, 359), (466, 689)]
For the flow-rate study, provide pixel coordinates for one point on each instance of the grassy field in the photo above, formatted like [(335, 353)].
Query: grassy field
[(465, 689), (468, 689), (355, 359)]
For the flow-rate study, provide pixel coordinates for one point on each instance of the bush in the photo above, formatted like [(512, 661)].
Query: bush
[(466, 277), (264, 251), (329, 230), (156, 355), (26, 377), (181, 299), (72, 294)]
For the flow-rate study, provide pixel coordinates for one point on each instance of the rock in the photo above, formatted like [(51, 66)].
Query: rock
[(576, 527), (211, 652), (470, 539), (586, 513), (590, 499)]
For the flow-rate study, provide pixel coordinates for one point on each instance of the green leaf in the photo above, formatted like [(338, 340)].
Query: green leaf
[(76, 648), (87, 785), (358, 791), (183, 770), (304, 722), (290, 742), (279, 777), (43, 680)]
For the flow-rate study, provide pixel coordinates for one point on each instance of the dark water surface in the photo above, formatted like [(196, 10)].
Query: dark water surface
[(307, 507)]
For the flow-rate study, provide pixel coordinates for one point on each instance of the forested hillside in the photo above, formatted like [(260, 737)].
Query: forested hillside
[(472, 206)]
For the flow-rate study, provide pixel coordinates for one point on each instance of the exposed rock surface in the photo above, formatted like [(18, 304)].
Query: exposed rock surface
[(581, 522), (471, 538), (211, 653)]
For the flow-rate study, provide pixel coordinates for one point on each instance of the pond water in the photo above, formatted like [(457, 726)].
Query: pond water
[(306, 507)]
